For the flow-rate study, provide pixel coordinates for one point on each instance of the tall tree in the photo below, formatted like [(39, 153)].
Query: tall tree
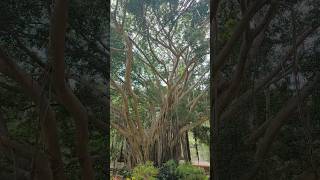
[(164, 47)]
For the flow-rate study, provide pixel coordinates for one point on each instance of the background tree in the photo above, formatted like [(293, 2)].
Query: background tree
[(53, 64)]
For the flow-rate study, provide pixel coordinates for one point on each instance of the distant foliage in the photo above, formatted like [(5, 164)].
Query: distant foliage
[(202, 133)]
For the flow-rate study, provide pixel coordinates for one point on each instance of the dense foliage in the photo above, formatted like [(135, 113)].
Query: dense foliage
[(145, 171), (190, 172), (169, 170)]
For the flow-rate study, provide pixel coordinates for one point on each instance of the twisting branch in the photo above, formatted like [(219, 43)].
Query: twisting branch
[(266, 80), (222, 57), (281, 117), (48, 125)]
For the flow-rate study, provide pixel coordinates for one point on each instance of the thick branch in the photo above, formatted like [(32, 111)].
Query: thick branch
[(280, 119), (64, 93), (48, 122)]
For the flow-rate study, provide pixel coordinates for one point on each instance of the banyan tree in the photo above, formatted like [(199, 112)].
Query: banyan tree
[(159, 77)]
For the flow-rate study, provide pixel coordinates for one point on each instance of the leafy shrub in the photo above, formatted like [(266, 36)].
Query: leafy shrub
[(168, 171), (145, 171), (126, 173), (188, 172)]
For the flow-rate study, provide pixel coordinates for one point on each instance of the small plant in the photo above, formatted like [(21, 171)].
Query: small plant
[(188, 172), (168, 171), (145, 171), (126, 173)]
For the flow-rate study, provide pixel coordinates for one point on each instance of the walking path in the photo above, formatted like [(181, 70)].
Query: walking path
[(203, 164)]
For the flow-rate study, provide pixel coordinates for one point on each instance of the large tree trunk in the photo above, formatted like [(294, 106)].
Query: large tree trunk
[(163, 147), (186, 148)]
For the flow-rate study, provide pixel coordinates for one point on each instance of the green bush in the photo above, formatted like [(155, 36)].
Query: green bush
[(126, 173), (168, 171), (145, 171), (188, 172)]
